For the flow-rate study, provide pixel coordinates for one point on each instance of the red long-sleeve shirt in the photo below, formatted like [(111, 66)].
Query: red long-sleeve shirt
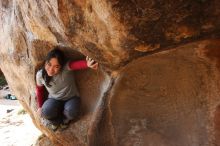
[(73, 65)]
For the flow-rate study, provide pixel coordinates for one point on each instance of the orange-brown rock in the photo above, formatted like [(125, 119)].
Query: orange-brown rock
[(158, 83)]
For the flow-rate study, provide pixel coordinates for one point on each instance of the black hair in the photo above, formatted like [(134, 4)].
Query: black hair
[(59, 55)]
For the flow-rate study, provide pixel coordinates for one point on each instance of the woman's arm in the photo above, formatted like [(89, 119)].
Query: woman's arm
[(40, 95), (77, 65), (82, 64)]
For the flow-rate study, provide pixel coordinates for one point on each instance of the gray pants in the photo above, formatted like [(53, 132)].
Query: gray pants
[(57, 110)]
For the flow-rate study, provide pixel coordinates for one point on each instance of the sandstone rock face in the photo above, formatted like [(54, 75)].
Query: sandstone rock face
[(158, 83)]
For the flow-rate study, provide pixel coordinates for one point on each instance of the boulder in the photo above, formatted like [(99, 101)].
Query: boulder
[(158, 77)]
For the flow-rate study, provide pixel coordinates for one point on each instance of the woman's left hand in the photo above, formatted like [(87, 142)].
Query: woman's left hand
[(91, 63)]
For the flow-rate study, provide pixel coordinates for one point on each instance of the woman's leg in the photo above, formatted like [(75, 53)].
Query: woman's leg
[(52, 110), (71, 109)]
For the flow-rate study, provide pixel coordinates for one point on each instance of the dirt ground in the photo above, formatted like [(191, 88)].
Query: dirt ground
[(16, 127)]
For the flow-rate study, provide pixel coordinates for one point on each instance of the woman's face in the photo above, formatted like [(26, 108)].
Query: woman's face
[(52, 67)]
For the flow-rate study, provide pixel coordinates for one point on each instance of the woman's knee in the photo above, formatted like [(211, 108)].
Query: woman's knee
[(51, 109), (71, 114), (72, 109)]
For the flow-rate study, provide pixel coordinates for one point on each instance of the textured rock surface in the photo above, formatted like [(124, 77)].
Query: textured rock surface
[(158, 81)]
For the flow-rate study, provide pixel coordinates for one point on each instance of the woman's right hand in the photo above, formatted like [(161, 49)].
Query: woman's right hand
[(91, 63), (39, 112)]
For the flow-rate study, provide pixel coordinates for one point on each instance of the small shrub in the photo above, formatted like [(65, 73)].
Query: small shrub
[(3, 82), (21, 112)]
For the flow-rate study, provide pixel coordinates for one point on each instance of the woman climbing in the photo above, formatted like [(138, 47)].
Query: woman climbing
[(63, 102)]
